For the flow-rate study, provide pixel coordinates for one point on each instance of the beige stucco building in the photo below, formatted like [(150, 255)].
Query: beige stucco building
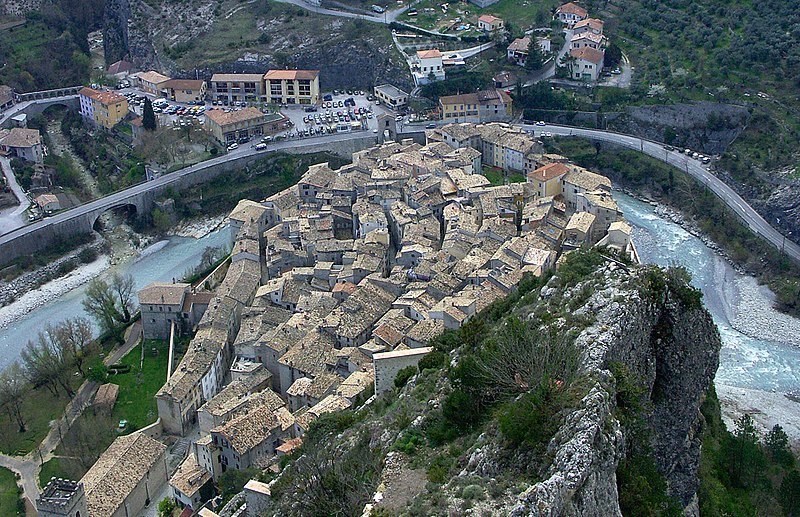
[(292, 86)]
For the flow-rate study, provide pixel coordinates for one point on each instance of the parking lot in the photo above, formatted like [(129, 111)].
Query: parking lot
[(334, 116), (341, 112)]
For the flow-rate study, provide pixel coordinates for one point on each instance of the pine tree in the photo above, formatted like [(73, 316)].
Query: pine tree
[(148, 115), (535, 58)]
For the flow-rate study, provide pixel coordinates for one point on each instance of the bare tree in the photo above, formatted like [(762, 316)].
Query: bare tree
[(110, 303), (12, 391), (74, 340), (44, 364)]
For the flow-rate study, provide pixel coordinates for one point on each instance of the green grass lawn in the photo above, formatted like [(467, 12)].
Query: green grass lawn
[(92, 433), (38, 409), (136, 402), (496, 177), (10, 494), (50, 469)]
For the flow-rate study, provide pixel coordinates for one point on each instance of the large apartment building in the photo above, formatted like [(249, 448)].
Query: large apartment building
[(484, 106), (237, 87), (292, 86), (105, 109)]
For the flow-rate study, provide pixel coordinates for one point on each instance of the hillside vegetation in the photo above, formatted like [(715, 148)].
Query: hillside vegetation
[(726, 50)]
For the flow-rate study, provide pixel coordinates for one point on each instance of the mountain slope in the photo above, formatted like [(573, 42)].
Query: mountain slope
[(566, 398)]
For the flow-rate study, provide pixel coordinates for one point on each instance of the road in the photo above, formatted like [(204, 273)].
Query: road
[(550, 70), (122, 196), (13, 218), (385, 18), (693, 167)]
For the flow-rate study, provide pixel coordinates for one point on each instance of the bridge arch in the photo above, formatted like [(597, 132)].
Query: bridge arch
[(127, 209)]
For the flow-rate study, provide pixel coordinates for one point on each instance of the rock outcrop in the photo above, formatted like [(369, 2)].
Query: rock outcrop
[(708, 127), (667, 341)]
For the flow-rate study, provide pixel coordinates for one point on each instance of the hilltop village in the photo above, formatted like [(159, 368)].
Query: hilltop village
[(336, 284)]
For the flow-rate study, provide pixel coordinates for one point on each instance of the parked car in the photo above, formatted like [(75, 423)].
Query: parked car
[(430, 126), (541, 123), (233, 146)]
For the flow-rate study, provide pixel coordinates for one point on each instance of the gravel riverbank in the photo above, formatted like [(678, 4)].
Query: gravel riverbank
[(52, 289)]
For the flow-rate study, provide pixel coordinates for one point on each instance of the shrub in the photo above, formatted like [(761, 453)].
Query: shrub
[(530, 421), (473, 493), (438, 469), (335, 422), (409, 442), (404, 375), (87, 255), (435, 360)]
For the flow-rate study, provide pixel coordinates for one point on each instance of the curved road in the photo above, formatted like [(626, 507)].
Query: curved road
[(693, 167), (751, 218)]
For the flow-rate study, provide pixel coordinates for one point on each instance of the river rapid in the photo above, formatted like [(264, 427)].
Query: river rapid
[(760, 356)]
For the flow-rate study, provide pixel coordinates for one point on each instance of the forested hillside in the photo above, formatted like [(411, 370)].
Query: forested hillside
[(51, 48)]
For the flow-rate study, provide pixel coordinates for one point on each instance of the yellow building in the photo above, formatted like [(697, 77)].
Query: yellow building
[(150, 82), (547, 179), (106, 109), (292, 86)]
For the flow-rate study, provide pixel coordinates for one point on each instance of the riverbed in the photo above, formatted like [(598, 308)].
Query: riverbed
[(163, 261), (760, 356)]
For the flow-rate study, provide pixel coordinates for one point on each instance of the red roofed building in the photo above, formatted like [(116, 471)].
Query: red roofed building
[(592, 25), (489, 23), (586, 64), (571, 14), (547, 179), (427, 66)]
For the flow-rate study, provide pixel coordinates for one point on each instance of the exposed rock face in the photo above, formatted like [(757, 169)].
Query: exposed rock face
[(704, 126), (672, 348), (347, 56)]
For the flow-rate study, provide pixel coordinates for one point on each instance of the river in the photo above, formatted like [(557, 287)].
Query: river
[(161, 262), (734, 300)]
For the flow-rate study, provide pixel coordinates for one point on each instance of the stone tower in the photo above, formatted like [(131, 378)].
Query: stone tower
[(62, 498)]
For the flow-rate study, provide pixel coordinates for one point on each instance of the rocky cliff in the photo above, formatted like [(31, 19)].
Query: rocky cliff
[(645, 322), (196, 39), (708, 127), (667, 341)]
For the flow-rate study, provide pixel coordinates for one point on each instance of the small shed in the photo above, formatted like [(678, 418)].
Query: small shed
[(105, 398)]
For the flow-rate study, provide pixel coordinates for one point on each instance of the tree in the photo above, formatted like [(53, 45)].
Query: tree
[(74, 340), (12, 391), (744, 459), (789, 494), (777, 445), (535, 58), (110, 303), (166, 507), (45, 364), (148, 115), (613, 56)]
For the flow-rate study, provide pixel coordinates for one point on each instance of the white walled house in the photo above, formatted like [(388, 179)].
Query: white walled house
[(427, 65), (586, 64)]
